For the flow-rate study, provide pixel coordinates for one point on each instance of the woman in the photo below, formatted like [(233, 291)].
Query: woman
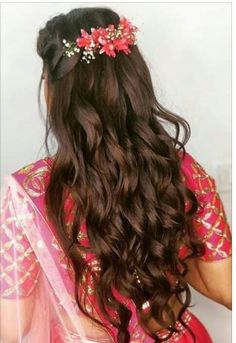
[(101, 241)]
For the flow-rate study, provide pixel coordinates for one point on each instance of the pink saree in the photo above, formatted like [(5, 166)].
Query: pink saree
[(37, 280)]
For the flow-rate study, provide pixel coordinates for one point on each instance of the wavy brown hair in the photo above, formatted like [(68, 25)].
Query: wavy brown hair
[(121, 164)]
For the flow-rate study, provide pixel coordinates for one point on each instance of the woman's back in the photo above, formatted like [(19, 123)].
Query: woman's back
[(36, 274)]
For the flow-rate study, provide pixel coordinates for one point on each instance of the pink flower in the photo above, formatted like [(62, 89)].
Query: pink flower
[(108, 48), (102, 40), (121, 44), (111, 27), (99, 36), (125, 22), (100, 33), (128, 30), (85, 40), (127, 26), (94, 34)]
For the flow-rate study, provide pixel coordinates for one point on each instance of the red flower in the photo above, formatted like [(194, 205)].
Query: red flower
[(125, 22), (85, 39), (108, 48), (102, 31), (111, 27), (128, 30), (94, 34), (99, 33), (102, 40), (121, 44)]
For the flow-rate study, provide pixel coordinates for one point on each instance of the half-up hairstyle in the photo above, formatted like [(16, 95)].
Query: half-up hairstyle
[(122, 167)]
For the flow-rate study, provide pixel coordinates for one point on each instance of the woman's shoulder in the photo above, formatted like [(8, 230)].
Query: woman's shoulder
[(34, 168), (36, 165), (34, 176)]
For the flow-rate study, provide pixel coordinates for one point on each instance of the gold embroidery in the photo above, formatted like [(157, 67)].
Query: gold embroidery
[(81, 236), (90, 290), (201, 174), (26, 169), (176, 336), (215, 209), (63, 259), (94, 264), (18, 263), (15, 267), (35, 182), (136, 336)]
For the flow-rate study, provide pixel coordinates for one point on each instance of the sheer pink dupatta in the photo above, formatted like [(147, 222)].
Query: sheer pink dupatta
[(37, 303)]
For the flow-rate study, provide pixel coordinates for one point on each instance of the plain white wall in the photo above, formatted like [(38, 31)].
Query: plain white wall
[(188, 49)]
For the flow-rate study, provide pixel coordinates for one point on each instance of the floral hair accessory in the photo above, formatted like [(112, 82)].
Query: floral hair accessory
[(108, 40)]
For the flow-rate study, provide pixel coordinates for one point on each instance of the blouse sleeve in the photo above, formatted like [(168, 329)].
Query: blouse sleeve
[(210, 220), (19, 267)]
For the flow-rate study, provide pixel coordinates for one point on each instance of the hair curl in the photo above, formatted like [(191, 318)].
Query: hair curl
[(122, 167)]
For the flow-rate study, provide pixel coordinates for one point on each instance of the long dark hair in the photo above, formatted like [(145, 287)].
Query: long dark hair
[(119, 161)]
